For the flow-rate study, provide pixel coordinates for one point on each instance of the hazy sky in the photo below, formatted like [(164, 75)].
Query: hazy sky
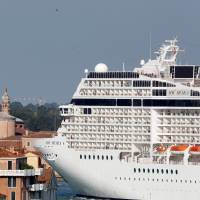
[(45, 45)]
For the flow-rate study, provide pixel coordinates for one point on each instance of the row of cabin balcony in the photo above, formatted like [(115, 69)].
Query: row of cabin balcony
[(115, 92), (113, 129), (111, 121), (99, 145), (179, 113), (127, 83), (120, 111), (181, 129), (108, 137), (103, 111), (180, 121), (179, 139)]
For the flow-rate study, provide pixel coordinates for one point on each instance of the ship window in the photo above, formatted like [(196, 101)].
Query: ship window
[(139, 170), (134, 170), (157, 171), (166, 171), (89, 156), (80, 156), (85, 111), (93, 157), (84, 156), (143, 170), (176, 171), (106, 157), (148, 170), (98, 157), (162, 171), (102, 157), (65, 110), (171, 171), (152, 170), (111, 157)]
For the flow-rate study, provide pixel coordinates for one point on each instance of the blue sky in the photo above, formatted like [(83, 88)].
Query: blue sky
[(45, 45)]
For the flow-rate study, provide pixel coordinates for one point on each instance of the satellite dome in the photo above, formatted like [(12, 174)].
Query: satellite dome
[(101, 67)]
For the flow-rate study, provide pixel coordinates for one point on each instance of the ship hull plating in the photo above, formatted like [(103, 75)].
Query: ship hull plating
[(117, 179)]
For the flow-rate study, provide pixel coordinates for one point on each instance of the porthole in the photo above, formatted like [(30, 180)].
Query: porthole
[(162, 171), (139, 170), (111, 157), (143, 170), (106, 157), (134, 170), (157, 171), (80, 156), (166, 171), (98, 157), (84, 156), (153, 171), (148, 170), (102, 157), (176, 171), (89, 157), (93, 157), (171, 171)]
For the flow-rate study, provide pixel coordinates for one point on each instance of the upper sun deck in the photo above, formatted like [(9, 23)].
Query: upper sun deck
[(163, 68)]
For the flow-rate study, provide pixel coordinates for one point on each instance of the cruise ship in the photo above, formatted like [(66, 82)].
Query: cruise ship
[(132, 134)]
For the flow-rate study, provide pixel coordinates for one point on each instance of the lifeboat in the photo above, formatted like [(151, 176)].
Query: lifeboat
[(195, 149), (179, 147)]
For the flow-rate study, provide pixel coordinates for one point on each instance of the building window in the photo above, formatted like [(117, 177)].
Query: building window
[(28, 144), (9, 165), (12, 195), (11, 181)]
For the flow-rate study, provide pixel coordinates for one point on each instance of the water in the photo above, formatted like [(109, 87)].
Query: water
[(65, 193)]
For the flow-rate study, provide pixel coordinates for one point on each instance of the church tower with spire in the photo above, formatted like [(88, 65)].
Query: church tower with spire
[(5, 105)]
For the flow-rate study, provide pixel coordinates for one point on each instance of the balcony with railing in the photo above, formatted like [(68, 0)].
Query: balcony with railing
[(25, 172), (37, 187)]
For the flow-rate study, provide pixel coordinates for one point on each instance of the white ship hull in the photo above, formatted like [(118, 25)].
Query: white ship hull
[(116, 179), (132, 135)]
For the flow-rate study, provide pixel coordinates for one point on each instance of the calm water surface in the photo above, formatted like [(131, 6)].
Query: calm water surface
[(65, 193)]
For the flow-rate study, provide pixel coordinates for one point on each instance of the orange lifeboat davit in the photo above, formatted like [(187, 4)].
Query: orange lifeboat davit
[(161, 149), (179, 148)]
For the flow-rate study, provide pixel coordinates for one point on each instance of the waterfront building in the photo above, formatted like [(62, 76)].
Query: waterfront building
[(17, 178)]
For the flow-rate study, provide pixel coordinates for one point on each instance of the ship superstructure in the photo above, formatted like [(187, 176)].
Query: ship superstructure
[(132, 135)]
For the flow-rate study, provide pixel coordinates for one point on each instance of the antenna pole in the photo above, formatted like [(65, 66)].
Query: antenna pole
[(150, 45), (123, 65)]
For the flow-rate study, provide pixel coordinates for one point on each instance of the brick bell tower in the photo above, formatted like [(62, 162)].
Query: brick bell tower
[(5, 105)]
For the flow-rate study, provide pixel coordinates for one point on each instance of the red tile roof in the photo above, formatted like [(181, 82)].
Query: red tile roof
[(40, 134), (6, 153)]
